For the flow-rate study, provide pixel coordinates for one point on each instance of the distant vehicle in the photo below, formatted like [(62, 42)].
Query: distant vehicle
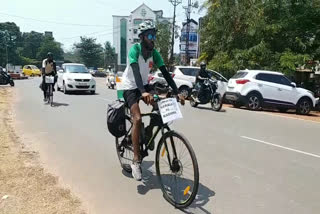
[(258, 88), (97, 73), (75, 77), (5, 78), (31, 70), (111, 81), (188, 73)]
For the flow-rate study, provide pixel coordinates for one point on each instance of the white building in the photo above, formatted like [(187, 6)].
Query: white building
[(193, 41), (125, 30)]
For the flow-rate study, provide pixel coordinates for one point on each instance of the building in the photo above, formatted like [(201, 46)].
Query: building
[(48, 33), (125, 30), (193, 41)]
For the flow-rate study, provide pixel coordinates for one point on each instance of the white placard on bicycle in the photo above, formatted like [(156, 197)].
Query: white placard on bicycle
[(169, 110), (49, 79)]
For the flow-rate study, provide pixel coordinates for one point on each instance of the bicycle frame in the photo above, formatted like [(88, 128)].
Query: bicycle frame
[(164, 128), (49, 92)]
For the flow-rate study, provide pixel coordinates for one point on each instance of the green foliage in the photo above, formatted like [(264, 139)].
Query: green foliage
[(10, 38), (260, 34), (163, 42), (72, 57), (109, 55), (49, 45), (289, 61), (31, 43), (90, 52)]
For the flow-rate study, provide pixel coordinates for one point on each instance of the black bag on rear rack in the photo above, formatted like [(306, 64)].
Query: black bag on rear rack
[(116, 119)]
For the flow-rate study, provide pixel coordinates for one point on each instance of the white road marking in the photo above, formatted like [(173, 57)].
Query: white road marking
[(282, 147)]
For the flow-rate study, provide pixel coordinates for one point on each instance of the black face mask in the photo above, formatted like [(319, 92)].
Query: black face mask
[(147, 46)]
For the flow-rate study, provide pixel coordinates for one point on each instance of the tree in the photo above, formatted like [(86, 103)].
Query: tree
[(110, 57), (31, 43), (260, 34), (90, 52), (10, 38), (163, 41), (72, 56), (50, 45)]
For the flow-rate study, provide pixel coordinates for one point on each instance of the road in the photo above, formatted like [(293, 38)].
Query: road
[(249, 162)]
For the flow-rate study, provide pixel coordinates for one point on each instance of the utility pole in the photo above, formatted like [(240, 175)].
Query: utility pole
[(175, 3), (7, 66), (188, 11)]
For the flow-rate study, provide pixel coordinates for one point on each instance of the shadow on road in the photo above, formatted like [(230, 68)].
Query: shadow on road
[(290, 112), (81, 93), (210, 109), (150, 182), (56, 104)]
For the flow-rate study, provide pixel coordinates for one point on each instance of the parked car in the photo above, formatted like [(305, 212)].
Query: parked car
[(157, 80), (99, 73), (75, 77), (188, 73), (31, 70), (258, 88)]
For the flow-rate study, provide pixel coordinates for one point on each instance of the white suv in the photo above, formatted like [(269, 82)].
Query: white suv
[(258, 88), (188, 74)]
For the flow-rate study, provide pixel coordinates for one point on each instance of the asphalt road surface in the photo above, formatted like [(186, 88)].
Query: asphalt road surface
[(249, 162)]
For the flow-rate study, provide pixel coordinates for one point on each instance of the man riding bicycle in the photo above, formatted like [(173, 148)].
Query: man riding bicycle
[(48, 69), (142, 56)]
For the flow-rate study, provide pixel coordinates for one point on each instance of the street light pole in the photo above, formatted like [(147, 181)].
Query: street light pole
[(175, 3)]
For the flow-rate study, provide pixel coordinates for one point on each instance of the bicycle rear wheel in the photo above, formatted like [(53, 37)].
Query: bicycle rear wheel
[(124, 150), (48, 93), (177, 169)]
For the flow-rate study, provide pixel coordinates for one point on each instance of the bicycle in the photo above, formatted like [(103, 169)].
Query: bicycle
[(49, 81), (167, 155)]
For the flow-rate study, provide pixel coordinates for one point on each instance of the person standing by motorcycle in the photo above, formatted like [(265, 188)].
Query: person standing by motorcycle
[(201, 76), (48, 69)]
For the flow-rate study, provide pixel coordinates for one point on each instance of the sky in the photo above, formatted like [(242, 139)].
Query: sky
[(70, 19)]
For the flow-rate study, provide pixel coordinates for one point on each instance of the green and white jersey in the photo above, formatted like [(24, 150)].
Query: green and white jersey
[(135, 56)]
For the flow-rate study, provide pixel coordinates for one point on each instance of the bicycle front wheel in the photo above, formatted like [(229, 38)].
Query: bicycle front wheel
[(177, 169)]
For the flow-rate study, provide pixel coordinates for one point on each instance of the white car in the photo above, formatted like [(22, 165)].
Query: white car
[(75, 77), (258, 88), (157, 78), (188, 74)]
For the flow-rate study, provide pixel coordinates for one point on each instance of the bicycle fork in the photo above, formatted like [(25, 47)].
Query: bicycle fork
[(173, 162)]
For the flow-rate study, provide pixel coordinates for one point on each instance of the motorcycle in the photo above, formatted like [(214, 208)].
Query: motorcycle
[(6, 79), (208, 93), (111, 83)]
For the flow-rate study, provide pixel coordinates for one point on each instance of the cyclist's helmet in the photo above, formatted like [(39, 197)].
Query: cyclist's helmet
[(146, 26), (50, 54)]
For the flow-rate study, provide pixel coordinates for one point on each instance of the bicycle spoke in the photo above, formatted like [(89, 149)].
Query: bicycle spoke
[(181, 185)]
